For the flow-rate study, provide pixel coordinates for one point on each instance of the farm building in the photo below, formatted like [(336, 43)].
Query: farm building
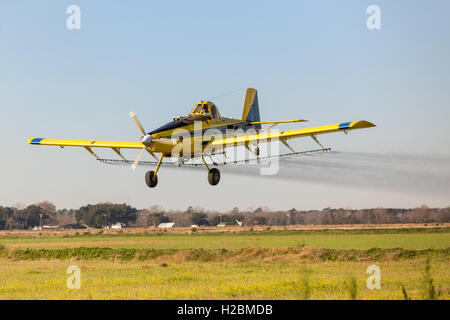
[(167, 225)]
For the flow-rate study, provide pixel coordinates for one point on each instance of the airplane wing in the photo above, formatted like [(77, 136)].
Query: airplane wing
[(89, 144), (289, 134), (166, 145), (86, 143)]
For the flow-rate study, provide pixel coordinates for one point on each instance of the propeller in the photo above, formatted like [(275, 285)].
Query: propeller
[(137, 122), (136, 162), (146, 139)]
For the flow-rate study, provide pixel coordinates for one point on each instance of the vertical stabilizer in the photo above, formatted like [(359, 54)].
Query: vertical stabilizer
[(250, 111)]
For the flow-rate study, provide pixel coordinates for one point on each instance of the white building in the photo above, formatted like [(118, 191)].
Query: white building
[(167, 225)]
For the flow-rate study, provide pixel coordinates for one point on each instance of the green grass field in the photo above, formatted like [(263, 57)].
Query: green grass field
[(358, 239), (252, 265)]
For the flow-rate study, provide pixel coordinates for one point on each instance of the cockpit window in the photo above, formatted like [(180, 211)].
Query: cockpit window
[(208, 109), (198, 109), (214, 112)]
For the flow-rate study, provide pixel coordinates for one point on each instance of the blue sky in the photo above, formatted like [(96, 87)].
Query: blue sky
[(315, 60)]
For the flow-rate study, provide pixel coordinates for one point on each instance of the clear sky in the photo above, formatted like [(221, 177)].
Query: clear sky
[(311, 59)]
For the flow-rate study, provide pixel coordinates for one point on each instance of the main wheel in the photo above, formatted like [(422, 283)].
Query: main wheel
[(213, 176), (151, 179)]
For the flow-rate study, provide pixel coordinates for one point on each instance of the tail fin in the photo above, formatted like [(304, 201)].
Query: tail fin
[(250, 112)]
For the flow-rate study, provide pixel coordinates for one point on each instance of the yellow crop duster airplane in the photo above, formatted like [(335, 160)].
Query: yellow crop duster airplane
[(201, 133)]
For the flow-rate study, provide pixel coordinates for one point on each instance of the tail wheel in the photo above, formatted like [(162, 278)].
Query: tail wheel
[(213, 176), (151, 179)]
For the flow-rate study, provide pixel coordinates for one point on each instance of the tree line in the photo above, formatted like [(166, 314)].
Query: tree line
[(103, 214)]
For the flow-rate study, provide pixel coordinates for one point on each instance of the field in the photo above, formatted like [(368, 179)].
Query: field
[(213, 263)]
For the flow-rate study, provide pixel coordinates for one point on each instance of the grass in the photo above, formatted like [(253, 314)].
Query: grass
[(429, 288), (255, 265), (37, 279), (223, 255), (358, 239)]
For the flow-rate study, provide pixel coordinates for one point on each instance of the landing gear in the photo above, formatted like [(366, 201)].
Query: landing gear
[(151, 179), (213, 176)]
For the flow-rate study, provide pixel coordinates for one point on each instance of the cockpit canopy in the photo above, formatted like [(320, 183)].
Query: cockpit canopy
[(206, 108), (203, 111)]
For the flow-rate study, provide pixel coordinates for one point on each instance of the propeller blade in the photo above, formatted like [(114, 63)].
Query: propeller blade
[(137, 122), (136, 162)]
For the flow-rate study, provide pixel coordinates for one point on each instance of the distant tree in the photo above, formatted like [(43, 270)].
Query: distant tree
[(21, 217), (31, 216), (47, 207), (199, 218), (260, 220), (5, 216), (64, 217), (94, 215), (154, 219)]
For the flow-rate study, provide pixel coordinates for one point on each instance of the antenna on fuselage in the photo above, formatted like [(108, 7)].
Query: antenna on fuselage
[(224, 94)]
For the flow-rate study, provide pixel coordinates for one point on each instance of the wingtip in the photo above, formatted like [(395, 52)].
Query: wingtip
[(363, 124), (35, 140)]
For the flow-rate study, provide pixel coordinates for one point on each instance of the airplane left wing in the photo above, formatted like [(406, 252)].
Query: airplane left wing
[(289, 134)]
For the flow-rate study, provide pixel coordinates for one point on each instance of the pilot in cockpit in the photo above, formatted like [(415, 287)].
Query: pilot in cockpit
[(205, 110)]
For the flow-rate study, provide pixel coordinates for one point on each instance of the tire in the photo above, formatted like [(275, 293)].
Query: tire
[(213, 176), (151, 179)]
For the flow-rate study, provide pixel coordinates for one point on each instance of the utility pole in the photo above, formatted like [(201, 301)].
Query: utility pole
[(40, 221), (105, 219)]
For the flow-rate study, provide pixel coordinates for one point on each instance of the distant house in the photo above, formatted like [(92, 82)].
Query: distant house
[(50, 227), (118, 225), (167, 225), (46, 228)]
